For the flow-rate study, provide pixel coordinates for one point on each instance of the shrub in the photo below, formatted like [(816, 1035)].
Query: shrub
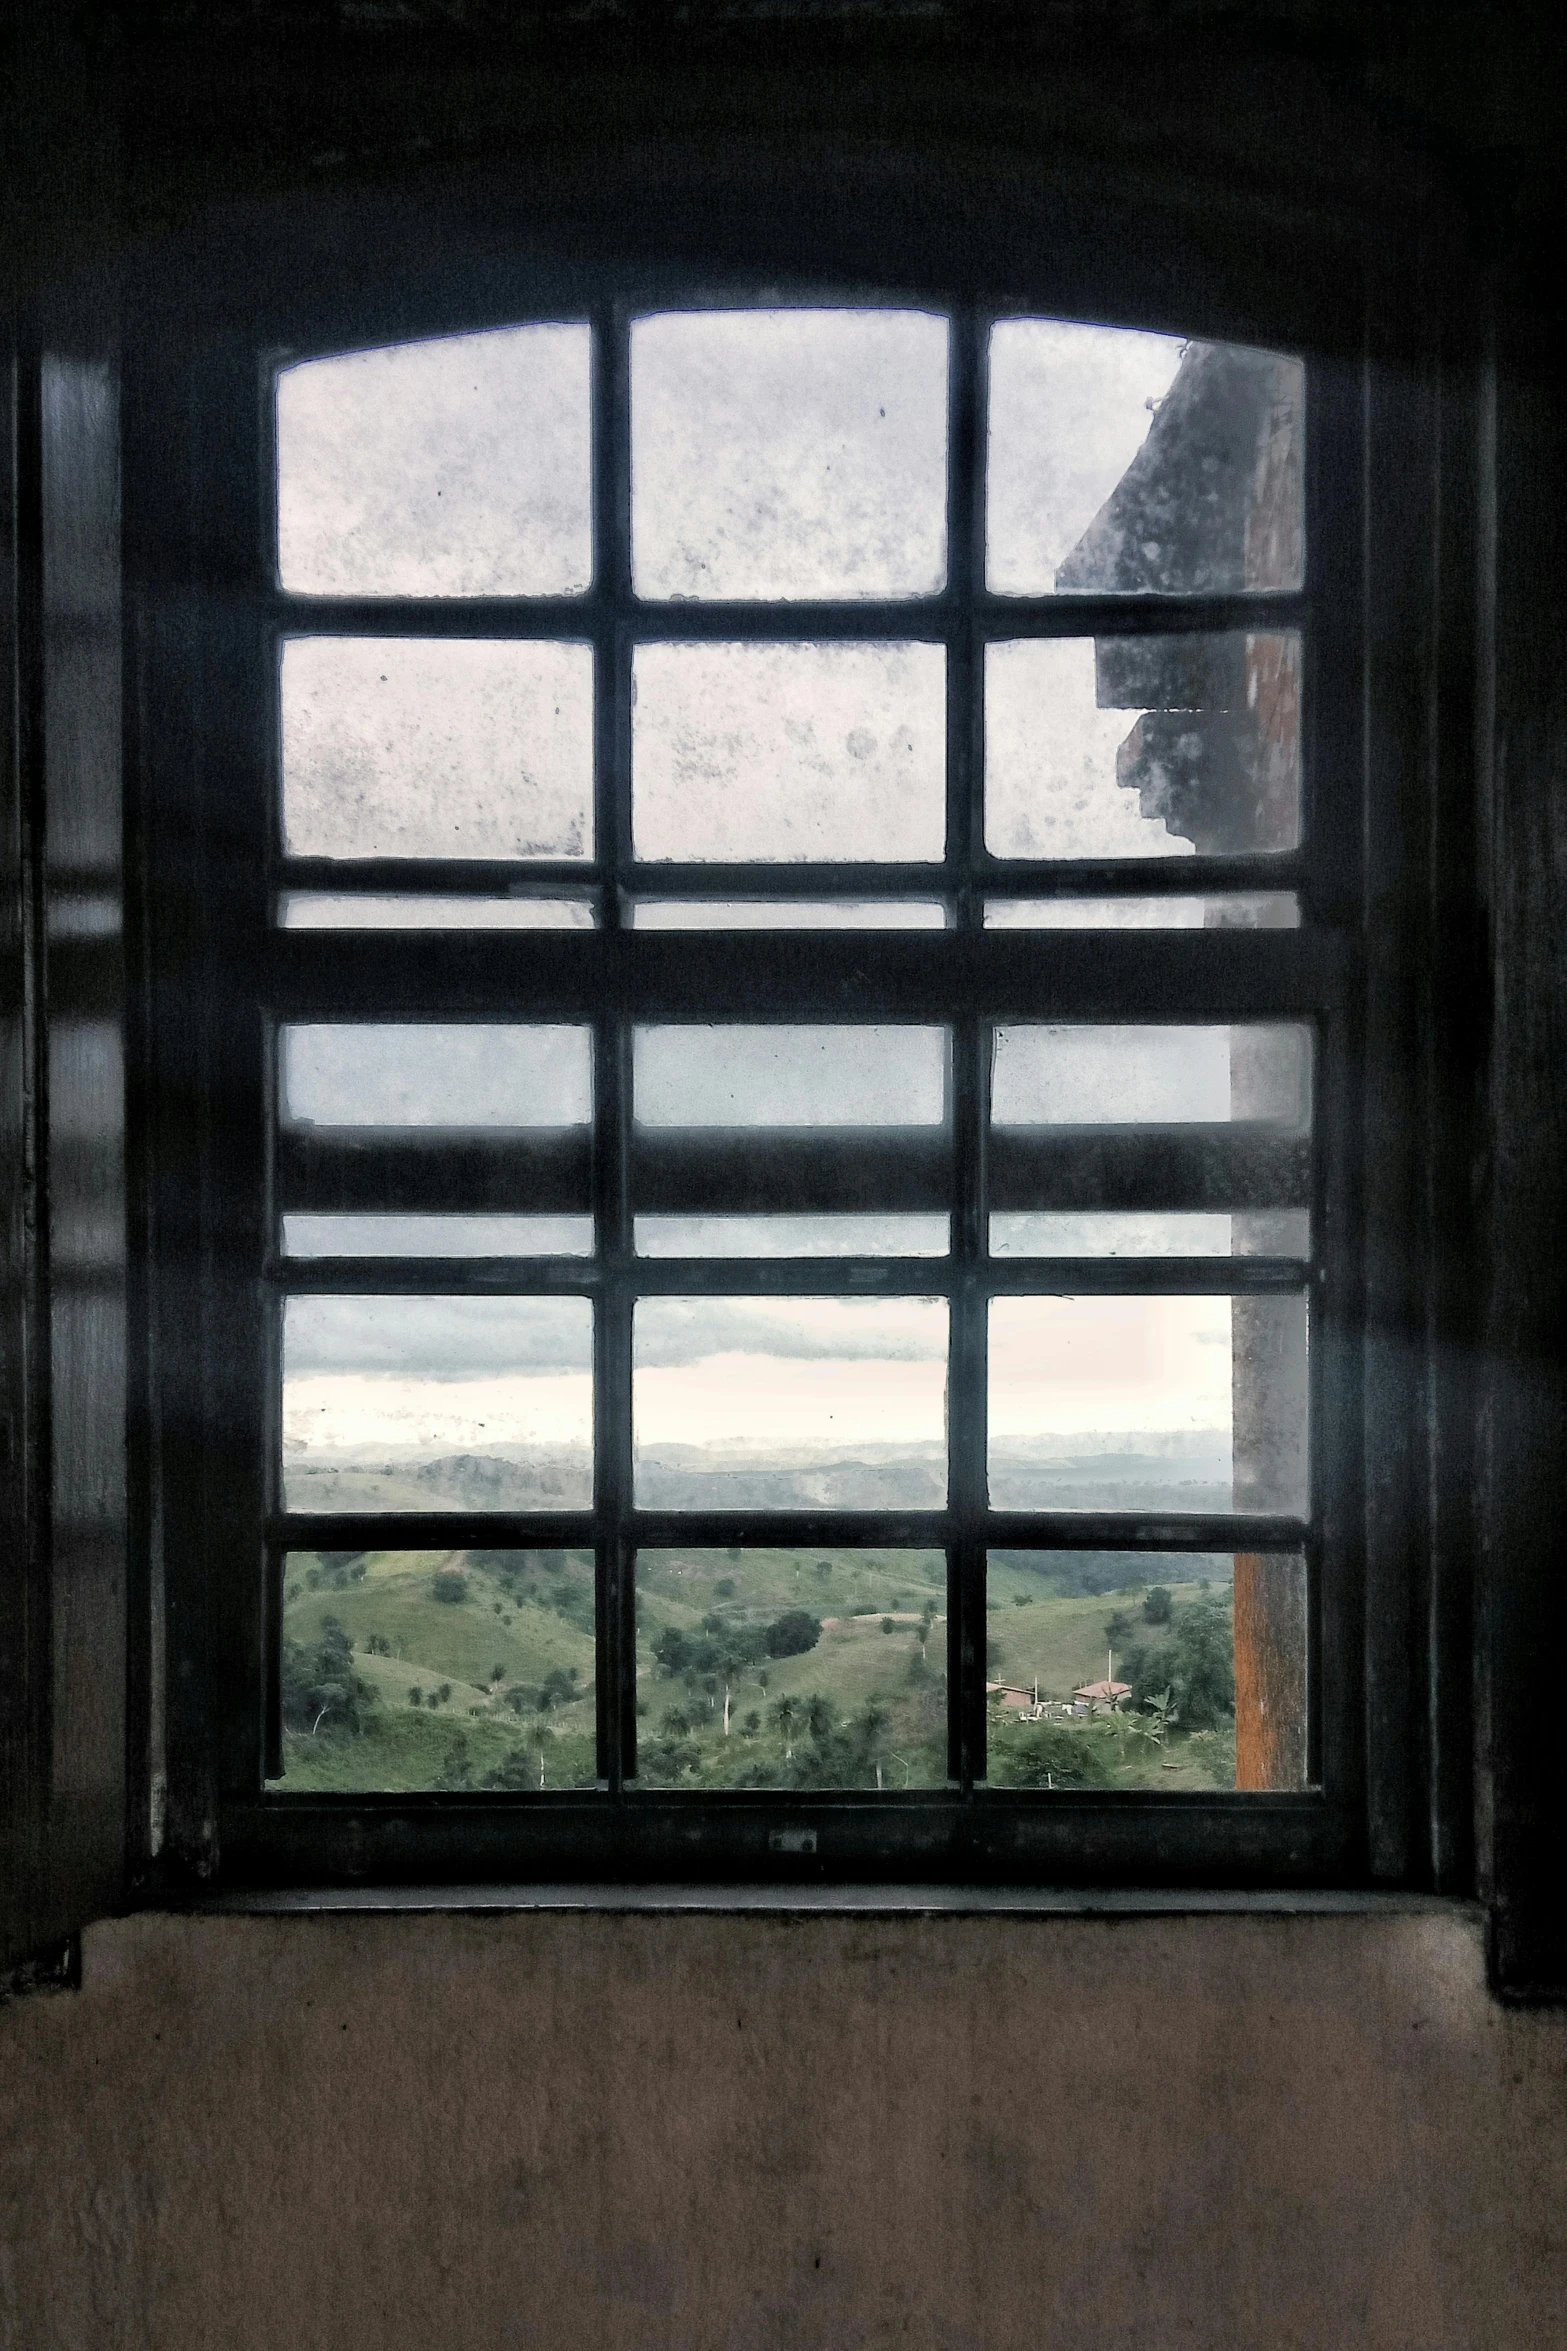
[(792, 1634), (1047, 1754), (1158, 1608), (451, 1585)]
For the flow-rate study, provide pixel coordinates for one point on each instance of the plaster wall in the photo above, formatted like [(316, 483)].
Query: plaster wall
[(805, 2133)]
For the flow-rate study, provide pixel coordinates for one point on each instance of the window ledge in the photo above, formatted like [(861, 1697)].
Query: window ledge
[(863, 1901)]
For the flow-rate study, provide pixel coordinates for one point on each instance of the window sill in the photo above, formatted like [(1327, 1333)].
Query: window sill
[(867, 1901)]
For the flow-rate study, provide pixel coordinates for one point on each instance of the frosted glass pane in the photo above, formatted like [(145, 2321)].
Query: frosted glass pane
[(424, 747), (437, 1403), (435, 1074), (893, 1235), (789, 453), (414, 1671), (1135, 463), (1114, 1232), (1156, 1076), (1260, 910), (1142, 747), (789, 751), (309, 1233), (458, 467), (326, 910), (785, 1403), (786, 914), (1148, 1404), (790, 1077), (795, 1670)]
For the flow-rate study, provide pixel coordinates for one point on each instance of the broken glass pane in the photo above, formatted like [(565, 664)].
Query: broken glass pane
[(436, 747), (789, 453), (790, 1077), (790, 1403), (456, 467), (1127, 463), (789, 751), (313, 1233), (437, 1403), (456, 1074), (1142, 746), (1104, 1075)]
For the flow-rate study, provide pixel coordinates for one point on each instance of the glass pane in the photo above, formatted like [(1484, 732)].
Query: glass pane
[(1142, 747), (1135, 463), (791, 1669), (325, 910), (790, 1403), (436, 747), (1190, 1404), (437, 1403), (457, 1074), (1154, 1076), (789, 752), (792, 1236), (309, 1234), (1150, 1669), (411, 1670), (1109, 1232), (789, 453), (1258, 910), (787, 914), (458, 467), (790, 1077)]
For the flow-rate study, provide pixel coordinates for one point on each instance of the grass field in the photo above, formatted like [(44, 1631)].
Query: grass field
[(784, 1669)]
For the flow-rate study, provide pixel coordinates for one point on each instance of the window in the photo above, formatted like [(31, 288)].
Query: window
[(773, 880)]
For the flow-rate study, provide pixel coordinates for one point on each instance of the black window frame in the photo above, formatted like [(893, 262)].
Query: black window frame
[(203, 628)]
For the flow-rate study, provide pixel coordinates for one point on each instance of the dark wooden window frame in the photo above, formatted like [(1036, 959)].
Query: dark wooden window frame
[(217, 976)]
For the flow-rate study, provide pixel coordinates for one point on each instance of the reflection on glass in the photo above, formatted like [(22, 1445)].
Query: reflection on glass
[(792, 1236), (789, 453), (797, 1670), (787, 914), (444, 1670), (790, 1403), (789, 751), (1111, 1232), (328, 910), (1105, 1075), (456, 1074), (1148, 1403), (1256, 910), (1146, 1669), (312, 1234), (790, 1077), (456, 467), (1142, 747), (437, 1403), (436, 747), (1135, 463)]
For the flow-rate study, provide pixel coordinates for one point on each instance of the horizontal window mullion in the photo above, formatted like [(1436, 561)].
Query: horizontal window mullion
[(813, 1173), (431, 1530), (425, 1173), (799, 1277), (1212, 1167), (1109, 615), (1112, 1530), (441, 877)]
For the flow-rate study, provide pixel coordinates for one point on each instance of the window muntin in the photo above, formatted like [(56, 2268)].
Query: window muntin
[(686, 1176)]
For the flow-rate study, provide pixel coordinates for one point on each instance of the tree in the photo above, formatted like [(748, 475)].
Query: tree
[(786, 1714), (320, 1687), (886, 1624), (450, 1585), (1158, 1606), (792, 1634)]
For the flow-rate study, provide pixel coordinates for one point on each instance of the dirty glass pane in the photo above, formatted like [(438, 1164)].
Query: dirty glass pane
[(789, 752), (1145, 1669), (328, 910), (436, 747), (1108, 1232), (791, 1669), (1139, 464), (437, 1403), (895, 1235), (790, 1403), (443, 1670), (456, 467), (1257, 910), (787, 914), (789, 453), (790, 1077), (1158, 1075), (1093, 750), (435, 1074), (1148, 1403), (311, 1233)]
